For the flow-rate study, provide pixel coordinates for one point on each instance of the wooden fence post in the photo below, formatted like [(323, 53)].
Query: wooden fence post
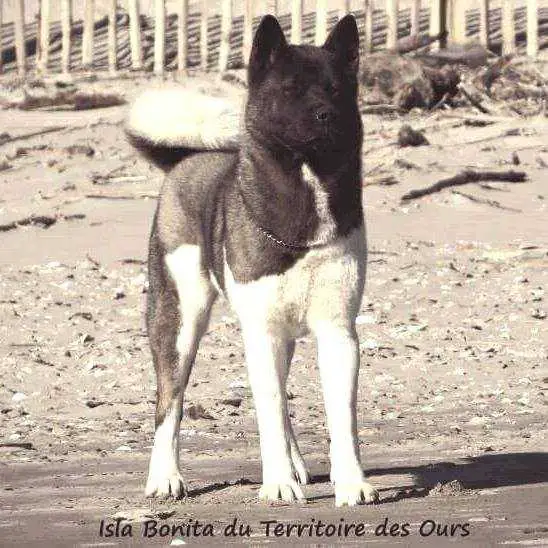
[(182, 36), (135, 35), (508, 28), (44, 35), (37, 54), (296, 21), (434, 24), (87, 39), (248, 30), (415, 17), (66, 23), (272, 7), (368, 26), (449, 20), (321, 22), (457, 21), (532, 28), (112, 42), (1, 21), (344, 8), (19, 20), (159, 36), (226, 27), (438, 21), (392, 24), (203, 35), (444, 17), (484, 23)]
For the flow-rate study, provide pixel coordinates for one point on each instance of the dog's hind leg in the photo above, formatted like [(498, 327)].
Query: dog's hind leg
[(296, 456), (267, 355), (180, 300)]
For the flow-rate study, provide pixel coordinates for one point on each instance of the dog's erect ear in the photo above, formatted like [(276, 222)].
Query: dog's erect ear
[(344, 42), (268, 42)]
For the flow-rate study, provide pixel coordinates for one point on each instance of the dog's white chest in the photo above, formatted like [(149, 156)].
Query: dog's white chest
[(325, 285)]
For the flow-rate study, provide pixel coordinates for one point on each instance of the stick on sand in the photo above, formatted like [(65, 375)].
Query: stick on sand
[(465, 177)]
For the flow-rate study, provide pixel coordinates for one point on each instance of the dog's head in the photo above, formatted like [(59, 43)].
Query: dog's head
[(304, 98)]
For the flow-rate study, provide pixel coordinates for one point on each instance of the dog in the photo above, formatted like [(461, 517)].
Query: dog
[(275, 223)]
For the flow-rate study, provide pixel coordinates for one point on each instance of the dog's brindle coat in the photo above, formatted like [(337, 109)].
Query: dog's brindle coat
[(278, 228)]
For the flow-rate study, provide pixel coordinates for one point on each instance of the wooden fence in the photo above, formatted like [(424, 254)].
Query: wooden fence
[(125, 39)]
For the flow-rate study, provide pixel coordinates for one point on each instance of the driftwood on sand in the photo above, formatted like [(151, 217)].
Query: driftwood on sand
[(6, 138), (465, 177)]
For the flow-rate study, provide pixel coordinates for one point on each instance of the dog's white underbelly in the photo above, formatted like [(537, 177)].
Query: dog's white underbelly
[(324, 287)]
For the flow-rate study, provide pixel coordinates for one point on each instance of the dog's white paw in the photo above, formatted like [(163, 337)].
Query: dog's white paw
[(288, 491), (166, 485), (359, 492)]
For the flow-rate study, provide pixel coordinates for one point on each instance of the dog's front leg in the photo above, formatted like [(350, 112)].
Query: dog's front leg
[(267, 355), (338, 359)]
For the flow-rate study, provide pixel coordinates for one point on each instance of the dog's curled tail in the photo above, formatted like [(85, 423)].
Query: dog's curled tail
[(167, 124)]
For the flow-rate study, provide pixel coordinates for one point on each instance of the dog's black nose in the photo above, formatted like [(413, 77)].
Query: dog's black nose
[(323, 115)]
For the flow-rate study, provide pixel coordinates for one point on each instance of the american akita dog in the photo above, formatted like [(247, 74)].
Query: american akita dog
[(277, 226)]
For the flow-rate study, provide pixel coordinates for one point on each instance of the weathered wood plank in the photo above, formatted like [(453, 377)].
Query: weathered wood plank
[(159, 36), (112, 36), (135, 35), (45, 15), (392, 30), (321, 22), (296, 21), (87, 39), (415, 17), (508, 28), (19, 20), (182, 36), (203, 35), (248, 29), (226, 27), (66, 24), (532, 28), (368, 26)]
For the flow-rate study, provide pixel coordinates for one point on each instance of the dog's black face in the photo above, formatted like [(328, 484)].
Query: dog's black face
[(303, 99)]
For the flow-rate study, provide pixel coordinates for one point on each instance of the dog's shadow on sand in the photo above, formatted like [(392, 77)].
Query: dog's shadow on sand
[(487, 471)]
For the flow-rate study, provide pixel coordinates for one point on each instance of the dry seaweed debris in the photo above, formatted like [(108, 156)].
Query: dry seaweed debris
[(389, 78), (506, 87), (37, 95), (457, 76), (409, 137), (42, 221), (521, 86)]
